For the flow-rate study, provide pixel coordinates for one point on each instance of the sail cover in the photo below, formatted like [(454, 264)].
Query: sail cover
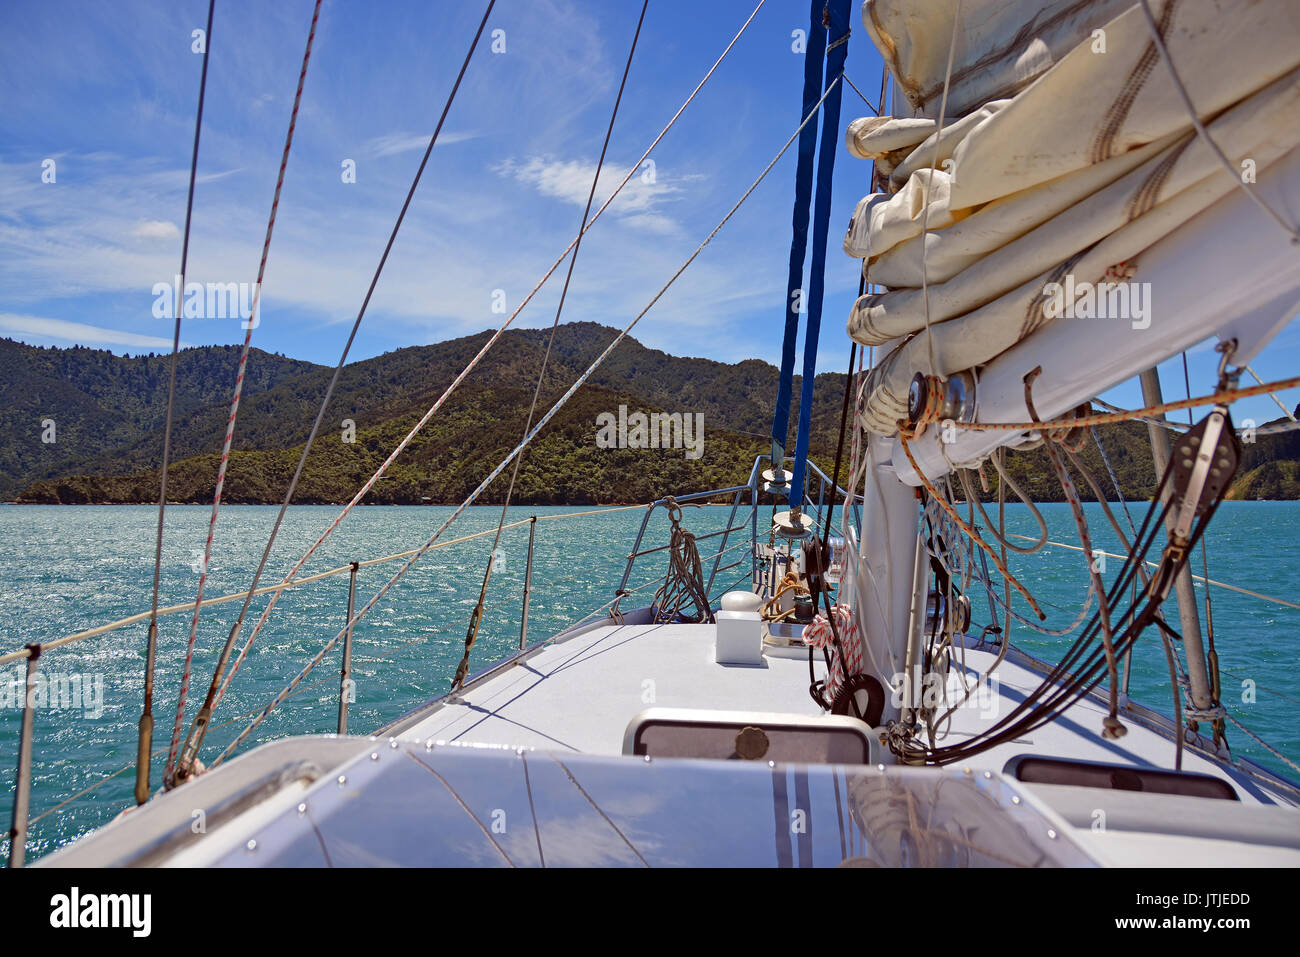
[(1066, 151)]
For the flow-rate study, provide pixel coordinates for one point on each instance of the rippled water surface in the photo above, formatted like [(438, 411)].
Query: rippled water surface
[(64, 569)]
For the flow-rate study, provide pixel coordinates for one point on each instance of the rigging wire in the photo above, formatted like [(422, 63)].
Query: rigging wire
[(1272, 395), (1211, 581), (874, 109), (251, 324), (303, 690), (929, 185), (1262, 743), (22, 653), (194, 740), (473, 496), (266, 612), (151, 653), (462, 669)]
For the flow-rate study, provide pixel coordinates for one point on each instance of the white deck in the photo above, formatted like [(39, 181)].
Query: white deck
[(1076, 735), (579, 693), (425, 804)]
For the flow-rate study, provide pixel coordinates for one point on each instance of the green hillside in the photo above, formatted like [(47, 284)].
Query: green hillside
[(109, 411), (384, 397)]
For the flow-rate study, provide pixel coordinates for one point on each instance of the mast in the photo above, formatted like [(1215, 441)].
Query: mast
[(1197, 672), (888, 554)]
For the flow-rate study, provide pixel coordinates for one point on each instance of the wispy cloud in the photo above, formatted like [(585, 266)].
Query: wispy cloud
[(394, 143), (43, 328), (156, 229), (570, 181)]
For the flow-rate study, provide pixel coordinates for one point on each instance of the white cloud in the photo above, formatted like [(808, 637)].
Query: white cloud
[(78, 332), (570, 181), (392, 143), (156, 229)]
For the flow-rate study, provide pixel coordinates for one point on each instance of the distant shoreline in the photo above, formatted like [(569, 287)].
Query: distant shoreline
[(330, 504), (518, 505)]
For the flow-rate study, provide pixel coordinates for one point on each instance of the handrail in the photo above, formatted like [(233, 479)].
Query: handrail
[(1210, 581), (698, 538), (824, 485)]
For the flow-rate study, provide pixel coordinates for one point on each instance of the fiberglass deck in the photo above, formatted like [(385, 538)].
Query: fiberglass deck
[(578, 694)]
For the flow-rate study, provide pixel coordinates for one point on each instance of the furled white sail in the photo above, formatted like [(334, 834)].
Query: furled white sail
[(1002, 45), (1077, 174)]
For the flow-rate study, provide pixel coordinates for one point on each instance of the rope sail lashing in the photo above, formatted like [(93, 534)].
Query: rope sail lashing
[(838, 14), (814, 53)]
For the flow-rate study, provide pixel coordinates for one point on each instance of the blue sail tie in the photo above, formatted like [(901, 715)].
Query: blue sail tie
[(812, 80), (835, 56)]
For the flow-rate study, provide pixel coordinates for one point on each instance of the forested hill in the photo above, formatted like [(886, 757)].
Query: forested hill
[(108, 413), (105, 414)]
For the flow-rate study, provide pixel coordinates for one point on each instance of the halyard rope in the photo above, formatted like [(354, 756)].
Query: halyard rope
[(1223, 397), (970, 532)]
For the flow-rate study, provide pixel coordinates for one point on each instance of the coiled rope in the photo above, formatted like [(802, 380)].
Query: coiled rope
[(684, 580)]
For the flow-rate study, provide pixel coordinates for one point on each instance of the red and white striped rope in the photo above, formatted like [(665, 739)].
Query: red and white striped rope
[(819, 635)]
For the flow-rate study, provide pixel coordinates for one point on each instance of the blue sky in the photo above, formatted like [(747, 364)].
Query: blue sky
[(108, 92)]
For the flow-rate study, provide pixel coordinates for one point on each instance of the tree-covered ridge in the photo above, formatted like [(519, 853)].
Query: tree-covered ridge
[(108, 412), (383, 397)]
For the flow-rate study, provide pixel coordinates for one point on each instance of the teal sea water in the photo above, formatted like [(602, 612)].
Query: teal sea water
[(64, 569)]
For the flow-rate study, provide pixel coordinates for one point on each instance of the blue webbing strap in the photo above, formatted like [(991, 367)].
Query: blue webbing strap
[(835, 56), (812, 80)]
